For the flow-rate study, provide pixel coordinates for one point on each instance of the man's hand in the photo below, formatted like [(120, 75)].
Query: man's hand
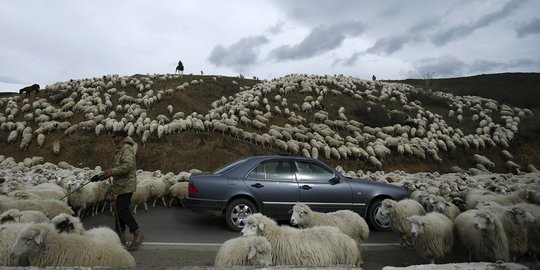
[(107, 172)]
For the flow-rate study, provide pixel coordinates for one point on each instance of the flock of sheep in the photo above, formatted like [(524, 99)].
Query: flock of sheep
[(252, 114), (492, 216)]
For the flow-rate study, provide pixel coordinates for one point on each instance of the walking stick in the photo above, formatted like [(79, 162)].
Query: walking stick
[(77, 189)]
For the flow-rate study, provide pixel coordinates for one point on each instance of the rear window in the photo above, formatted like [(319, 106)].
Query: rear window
[(229, 166)]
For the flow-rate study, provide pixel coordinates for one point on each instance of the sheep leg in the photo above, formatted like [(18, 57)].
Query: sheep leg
[(182, 203), (135, 209), (154, 203), (170, 202), (145, 206), (163, 200)]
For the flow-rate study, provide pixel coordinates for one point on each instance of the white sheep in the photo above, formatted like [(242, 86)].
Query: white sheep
[(397, 213), (50, 208), (483, 160), (64, 223), (47, 247), (17, 216), (8, 234), (244, 251), (178, 191), (493, 243), (141, 195), (161, 188), (515, 221), (433, 235), (56, 147), (439, 204), (349, 222), (317, 246)]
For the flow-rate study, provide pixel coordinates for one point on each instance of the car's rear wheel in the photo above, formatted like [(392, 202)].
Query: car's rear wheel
[(376, 221), (237, 211)]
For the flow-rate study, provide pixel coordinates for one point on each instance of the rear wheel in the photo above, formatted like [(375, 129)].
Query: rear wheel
[(376, 221), (237, 211)]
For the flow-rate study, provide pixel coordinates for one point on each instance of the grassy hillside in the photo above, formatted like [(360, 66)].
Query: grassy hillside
[(210, 149)]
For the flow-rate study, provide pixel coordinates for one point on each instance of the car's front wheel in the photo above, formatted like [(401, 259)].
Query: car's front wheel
[(237, 211), (375, 220)]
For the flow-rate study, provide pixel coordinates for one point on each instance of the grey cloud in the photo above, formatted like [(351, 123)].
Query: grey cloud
[(460, 31), (522, 64), (276, 29), (320, 40), (240, 54), (391, 44), (530, 28), (9, 79), (446, 66)]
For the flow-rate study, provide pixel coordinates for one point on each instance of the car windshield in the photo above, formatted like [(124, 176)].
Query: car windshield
[(229, 166)]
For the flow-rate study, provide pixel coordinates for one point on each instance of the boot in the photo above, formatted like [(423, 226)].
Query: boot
[(122, 236), (138, 239)]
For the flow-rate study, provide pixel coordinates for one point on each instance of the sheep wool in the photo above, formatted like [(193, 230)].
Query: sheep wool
[(318, 246), (244, 251), (49, 248)]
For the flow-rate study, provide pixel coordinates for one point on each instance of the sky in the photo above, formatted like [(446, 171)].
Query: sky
[(49, 41)]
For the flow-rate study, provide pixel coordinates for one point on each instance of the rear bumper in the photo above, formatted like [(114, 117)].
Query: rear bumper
[(214, 207)]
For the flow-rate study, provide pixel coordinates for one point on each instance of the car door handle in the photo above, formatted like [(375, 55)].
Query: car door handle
[(258, 185), (306, 187)]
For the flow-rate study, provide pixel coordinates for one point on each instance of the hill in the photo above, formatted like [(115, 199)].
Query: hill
[(354, 107)]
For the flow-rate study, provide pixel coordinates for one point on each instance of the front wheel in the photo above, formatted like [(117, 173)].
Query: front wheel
[(237, 211), (377, 222)]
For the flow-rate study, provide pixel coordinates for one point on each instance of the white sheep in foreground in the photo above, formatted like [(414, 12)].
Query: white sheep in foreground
[(318, 246), (64, 223), (17, 216), (349, 222), (493, 243), (397, 213), (244, 251), (433, 235), (50, 248), (8, 234), (179, 191), (50, 208), (515, 221)]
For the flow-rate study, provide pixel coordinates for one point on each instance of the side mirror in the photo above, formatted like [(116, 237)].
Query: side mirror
[(334, 180)]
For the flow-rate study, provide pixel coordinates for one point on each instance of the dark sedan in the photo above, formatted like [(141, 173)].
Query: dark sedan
[(272, 185)]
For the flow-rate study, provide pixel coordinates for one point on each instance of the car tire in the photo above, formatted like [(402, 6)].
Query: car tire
[(237, 211), (376, 222)]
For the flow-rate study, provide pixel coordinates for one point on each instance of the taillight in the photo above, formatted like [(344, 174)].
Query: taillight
[(191, 189)]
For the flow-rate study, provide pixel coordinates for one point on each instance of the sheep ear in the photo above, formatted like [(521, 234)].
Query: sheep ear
[(251, 253), (261, 226), (291, 211)]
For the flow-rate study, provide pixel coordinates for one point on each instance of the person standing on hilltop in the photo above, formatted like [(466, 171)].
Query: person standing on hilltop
[(180, 67), (124, 183)]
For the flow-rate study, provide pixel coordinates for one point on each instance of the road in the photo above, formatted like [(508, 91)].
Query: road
[(177, 238)]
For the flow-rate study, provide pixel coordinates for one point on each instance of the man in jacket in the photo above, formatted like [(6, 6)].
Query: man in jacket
[(124, 173)]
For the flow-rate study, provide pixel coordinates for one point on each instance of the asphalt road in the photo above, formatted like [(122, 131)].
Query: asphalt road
[(178, 238)]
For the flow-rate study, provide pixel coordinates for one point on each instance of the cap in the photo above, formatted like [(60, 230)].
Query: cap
[(120, 133)]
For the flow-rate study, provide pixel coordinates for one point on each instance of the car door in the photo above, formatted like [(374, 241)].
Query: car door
[(275, 187), (318, 191)]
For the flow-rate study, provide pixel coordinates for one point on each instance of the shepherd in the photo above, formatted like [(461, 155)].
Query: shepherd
[(29, 89), (180, 68)]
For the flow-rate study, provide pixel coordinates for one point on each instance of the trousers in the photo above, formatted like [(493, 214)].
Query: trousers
[(125, 217)]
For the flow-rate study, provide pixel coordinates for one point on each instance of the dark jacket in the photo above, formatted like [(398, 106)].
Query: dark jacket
[(124, 167)]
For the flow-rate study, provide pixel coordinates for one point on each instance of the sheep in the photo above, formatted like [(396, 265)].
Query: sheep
[(439, 204), (56, 147), (64, 223), (141, 195), (397, 212), (244, 251), (161, 189), (44, 246), (179, 191), (515, 221), (8, 234), (50, 208), (483, 160), (433, 235), (14, 215), (493, 243), (317, 246), (349, 222)]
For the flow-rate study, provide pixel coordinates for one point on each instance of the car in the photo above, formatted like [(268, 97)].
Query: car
[(272, 185)]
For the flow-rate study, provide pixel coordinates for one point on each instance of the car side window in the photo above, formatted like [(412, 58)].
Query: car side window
[(311, 172), (272, 170)]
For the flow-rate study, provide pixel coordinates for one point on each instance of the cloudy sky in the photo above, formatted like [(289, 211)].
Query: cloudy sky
[(49, 41)]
